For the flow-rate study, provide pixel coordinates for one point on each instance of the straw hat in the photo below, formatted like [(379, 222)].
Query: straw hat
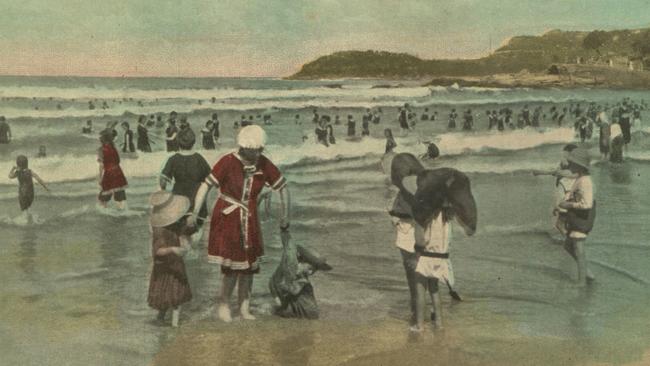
[(167, 208), (580, 157), (251, 137)]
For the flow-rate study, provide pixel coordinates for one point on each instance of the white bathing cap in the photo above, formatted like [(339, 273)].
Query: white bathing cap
[(251, 137)]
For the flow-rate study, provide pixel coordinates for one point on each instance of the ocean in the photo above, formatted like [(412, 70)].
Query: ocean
[(75, 281)]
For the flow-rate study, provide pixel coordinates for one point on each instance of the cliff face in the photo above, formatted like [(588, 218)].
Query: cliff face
[(531, 53)]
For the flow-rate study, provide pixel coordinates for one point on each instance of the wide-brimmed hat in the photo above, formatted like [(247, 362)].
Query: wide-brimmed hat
[(251, 137), (186, 138), (167, 208), (580, 157)]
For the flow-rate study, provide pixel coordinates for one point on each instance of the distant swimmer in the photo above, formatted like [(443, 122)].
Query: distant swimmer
[(351, 126), (376, 118), (321, 132), (316, 117), (143, 135), (525, 113), (207, 137), (296, 120), (390, 141), (184, 124), (216, 128), (42, 152), (105, 105), (152, 121), (5, 131), (425, 116), (403, 120), (452, 119), (91, 106), (616, 143), (432, 152), (171, 133), (468, 123), (337, 120), (604, 134), (127, 142), (365, 124), (159, 122), (434, 116), (560, 118), (25, 178)]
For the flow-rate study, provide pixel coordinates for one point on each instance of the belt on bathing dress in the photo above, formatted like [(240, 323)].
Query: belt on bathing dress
[(235, 204), (421, 252)]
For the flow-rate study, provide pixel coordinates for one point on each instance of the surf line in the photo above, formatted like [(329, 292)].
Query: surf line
[(620, 271)]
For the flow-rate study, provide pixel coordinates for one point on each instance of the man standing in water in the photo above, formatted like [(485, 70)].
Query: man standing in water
[(5, 131), (581, 211), (235, 241)]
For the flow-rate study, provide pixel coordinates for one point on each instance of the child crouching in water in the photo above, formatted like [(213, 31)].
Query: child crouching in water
[(25, 178), (169, 286)]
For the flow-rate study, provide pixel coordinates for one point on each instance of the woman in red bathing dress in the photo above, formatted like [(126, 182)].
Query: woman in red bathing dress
[(235, 240), (111, 177)]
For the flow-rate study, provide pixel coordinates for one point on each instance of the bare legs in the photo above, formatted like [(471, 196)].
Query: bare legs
[(576, 249), (228, 283), (409, 261), (244, 295), (244, 283), (176, 313), (424, 284)]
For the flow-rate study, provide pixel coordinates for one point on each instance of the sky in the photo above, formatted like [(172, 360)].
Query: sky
[(202, 38)]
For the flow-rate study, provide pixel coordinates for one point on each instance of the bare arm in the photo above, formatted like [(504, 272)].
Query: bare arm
[(172, 137), (40, 181), (285, 206), (12, 173), (200, 197), (162, 181), (101, 172)]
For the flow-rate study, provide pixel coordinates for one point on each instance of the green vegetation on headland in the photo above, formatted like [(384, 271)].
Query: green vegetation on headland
[(554, 59)]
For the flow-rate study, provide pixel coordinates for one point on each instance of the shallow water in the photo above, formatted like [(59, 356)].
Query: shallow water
[(75, 282)]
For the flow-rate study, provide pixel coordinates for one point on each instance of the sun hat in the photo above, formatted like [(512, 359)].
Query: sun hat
[(167, 208), (251, 137), (580, 157)]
